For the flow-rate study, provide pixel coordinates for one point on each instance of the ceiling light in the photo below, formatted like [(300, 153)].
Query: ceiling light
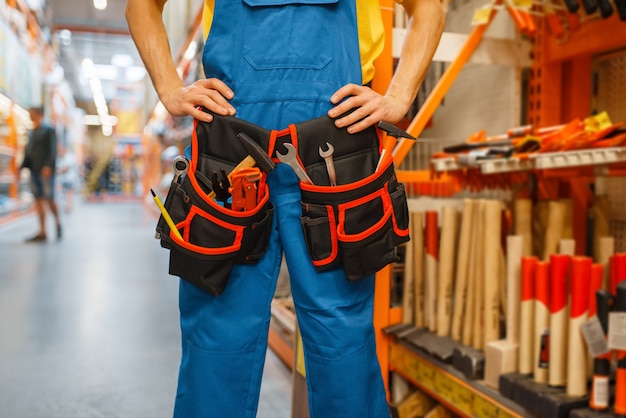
[(122, 60), (66, 37), (96, 120), (105, 72), (100, 4), (87, 65), (135, 73)]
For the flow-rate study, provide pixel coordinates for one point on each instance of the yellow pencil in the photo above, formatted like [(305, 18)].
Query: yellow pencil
[(166, 215)]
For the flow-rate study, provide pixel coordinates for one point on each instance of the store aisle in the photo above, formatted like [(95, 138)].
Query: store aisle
[(89, 325)]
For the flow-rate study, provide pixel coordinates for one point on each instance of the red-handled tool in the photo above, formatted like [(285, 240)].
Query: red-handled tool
[(527, 315), (620, 378), (618, 270), (579, 303), (389, 144), (541, 350), (559, 272), (244, 188)]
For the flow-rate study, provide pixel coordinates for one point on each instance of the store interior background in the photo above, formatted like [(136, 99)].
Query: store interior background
[(80, 63)]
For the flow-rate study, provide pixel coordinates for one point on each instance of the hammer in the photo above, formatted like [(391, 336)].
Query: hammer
[(256, 156), (393, 134)]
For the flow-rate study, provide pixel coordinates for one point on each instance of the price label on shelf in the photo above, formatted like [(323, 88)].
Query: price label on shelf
[(482, 15), (598, 122), (444, 387)]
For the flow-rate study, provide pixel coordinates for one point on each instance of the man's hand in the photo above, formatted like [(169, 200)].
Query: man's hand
[(211, 94), (369, 108), (46, 172)]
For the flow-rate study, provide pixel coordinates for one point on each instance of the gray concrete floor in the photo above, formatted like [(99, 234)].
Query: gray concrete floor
[(89, 325)]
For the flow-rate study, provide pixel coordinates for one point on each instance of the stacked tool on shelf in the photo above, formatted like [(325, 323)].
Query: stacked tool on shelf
[(496, 293), (590, 141)]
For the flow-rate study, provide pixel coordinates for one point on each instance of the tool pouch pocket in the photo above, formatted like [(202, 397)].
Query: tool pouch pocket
[(214, 237), (355, 225)]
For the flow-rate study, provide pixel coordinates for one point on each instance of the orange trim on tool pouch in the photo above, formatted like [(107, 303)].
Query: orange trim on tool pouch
[(340, 188), (380, 134), (344, 207), (194, 147), (559, 272), (542, 283), (579, 286), (396, 228), (271, 146), (529, 265), (342, 236), (431, 230), (332, 223), (293, 132), (185, 226)]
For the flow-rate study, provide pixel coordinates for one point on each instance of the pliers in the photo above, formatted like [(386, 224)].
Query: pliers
[(221, 188)]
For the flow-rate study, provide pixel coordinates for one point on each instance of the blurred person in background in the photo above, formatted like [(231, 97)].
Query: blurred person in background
[(40, 158)]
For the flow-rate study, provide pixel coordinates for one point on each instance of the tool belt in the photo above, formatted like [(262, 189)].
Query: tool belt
[(356, 224)]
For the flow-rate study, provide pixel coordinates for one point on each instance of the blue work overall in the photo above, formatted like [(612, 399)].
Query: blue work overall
[(283, 59)]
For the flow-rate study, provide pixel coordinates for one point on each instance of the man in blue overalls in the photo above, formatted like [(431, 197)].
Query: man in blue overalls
[(275, 63)]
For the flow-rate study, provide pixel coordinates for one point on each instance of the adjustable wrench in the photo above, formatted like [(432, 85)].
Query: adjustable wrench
[(330, 166), (291, 159)]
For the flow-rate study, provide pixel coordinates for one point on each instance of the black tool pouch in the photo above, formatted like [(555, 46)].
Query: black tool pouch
[(358, 223), (214, 237)]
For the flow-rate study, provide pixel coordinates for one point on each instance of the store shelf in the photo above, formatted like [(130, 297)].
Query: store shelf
[(540, 161), (446, 164), (576, 158), (505, 165), (440, 380)]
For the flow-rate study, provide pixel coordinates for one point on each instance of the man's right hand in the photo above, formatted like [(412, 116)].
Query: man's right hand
[(211, 94)]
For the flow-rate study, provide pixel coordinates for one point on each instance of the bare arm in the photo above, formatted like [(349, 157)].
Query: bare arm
[(426, 24), (145, 22)]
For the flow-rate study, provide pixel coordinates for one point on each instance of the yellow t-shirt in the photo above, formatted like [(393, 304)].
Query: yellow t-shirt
[(370, 27)]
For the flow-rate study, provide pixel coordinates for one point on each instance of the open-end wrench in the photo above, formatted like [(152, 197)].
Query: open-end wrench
[(291, 159), (330, 166)]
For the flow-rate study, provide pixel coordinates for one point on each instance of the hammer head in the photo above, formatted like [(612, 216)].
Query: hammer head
[(394, 131), (263, 160)]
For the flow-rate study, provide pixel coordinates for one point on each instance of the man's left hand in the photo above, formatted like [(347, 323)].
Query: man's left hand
[(46, 172), (368, 108)]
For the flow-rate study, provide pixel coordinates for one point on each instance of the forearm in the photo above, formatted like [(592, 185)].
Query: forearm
[(145, 22), (426, 24)]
